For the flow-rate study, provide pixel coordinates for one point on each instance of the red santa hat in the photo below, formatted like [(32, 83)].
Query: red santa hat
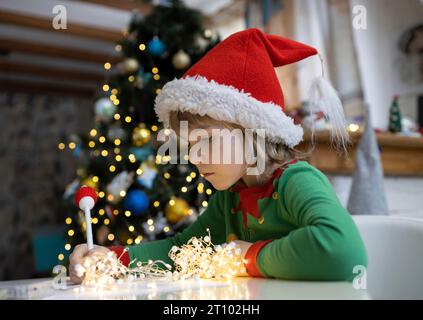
[(236, 82)]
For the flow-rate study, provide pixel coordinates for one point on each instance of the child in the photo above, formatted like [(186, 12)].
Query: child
[(286, 218)]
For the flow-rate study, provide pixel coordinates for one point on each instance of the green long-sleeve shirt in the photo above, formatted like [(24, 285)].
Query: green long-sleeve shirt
[(315, 238)]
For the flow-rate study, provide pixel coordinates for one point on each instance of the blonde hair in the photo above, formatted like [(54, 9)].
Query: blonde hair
[(277, 155)]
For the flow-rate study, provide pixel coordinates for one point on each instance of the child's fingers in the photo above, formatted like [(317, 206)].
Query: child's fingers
[(76, 273), (78, 254), (77, 258), (73, 277), (98, 251)]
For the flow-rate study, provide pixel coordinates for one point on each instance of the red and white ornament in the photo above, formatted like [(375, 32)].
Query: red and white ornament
[(85, 199)]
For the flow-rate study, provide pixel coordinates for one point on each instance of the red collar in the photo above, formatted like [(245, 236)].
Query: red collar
[(249, 196)]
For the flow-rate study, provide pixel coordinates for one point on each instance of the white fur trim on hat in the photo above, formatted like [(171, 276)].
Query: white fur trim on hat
[(226, 103)]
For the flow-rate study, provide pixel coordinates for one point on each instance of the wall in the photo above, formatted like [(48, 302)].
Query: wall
[(33, 171), (403, 194), (377, 52)]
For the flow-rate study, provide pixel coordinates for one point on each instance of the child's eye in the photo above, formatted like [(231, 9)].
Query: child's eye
[(200, 141)]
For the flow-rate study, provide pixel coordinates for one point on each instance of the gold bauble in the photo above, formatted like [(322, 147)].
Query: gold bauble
[(130, 65), (179, 210), (181, 60), (90, 183), (141, 136)]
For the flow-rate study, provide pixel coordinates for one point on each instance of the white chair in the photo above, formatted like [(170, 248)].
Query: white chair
[(395, 251)]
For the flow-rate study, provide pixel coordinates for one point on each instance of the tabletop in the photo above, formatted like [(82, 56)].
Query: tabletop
[(235, 289)]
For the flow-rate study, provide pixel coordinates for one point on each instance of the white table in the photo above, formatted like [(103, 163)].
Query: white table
[(236, 289)]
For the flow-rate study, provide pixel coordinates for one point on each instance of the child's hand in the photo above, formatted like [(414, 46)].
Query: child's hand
[(76, 260)]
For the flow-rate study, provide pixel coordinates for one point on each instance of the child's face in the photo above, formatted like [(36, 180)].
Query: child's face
[(222, 172)]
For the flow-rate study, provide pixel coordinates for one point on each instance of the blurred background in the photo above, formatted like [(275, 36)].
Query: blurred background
[(77, 85)]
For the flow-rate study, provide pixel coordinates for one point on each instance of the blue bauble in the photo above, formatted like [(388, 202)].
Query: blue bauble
[(136, 201), (142, 153), (77, 151), (156, 47), (145, 77)]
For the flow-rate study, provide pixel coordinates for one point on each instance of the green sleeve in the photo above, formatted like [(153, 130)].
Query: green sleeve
[(326, 244), (212, 218)]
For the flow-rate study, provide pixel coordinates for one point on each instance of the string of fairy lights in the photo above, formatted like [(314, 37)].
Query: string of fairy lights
[(198, 259), (97, 143)]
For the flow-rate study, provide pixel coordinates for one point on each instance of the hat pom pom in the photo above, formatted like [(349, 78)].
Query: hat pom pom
[(324, 98)]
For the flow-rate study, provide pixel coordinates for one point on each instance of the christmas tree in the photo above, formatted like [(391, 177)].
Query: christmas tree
[(141, 196), (395, 117)]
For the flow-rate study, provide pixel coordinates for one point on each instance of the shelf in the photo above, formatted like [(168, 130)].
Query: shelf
[(401, 155)]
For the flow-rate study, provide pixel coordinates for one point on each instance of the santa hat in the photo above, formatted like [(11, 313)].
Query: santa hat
[(236, 82)]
